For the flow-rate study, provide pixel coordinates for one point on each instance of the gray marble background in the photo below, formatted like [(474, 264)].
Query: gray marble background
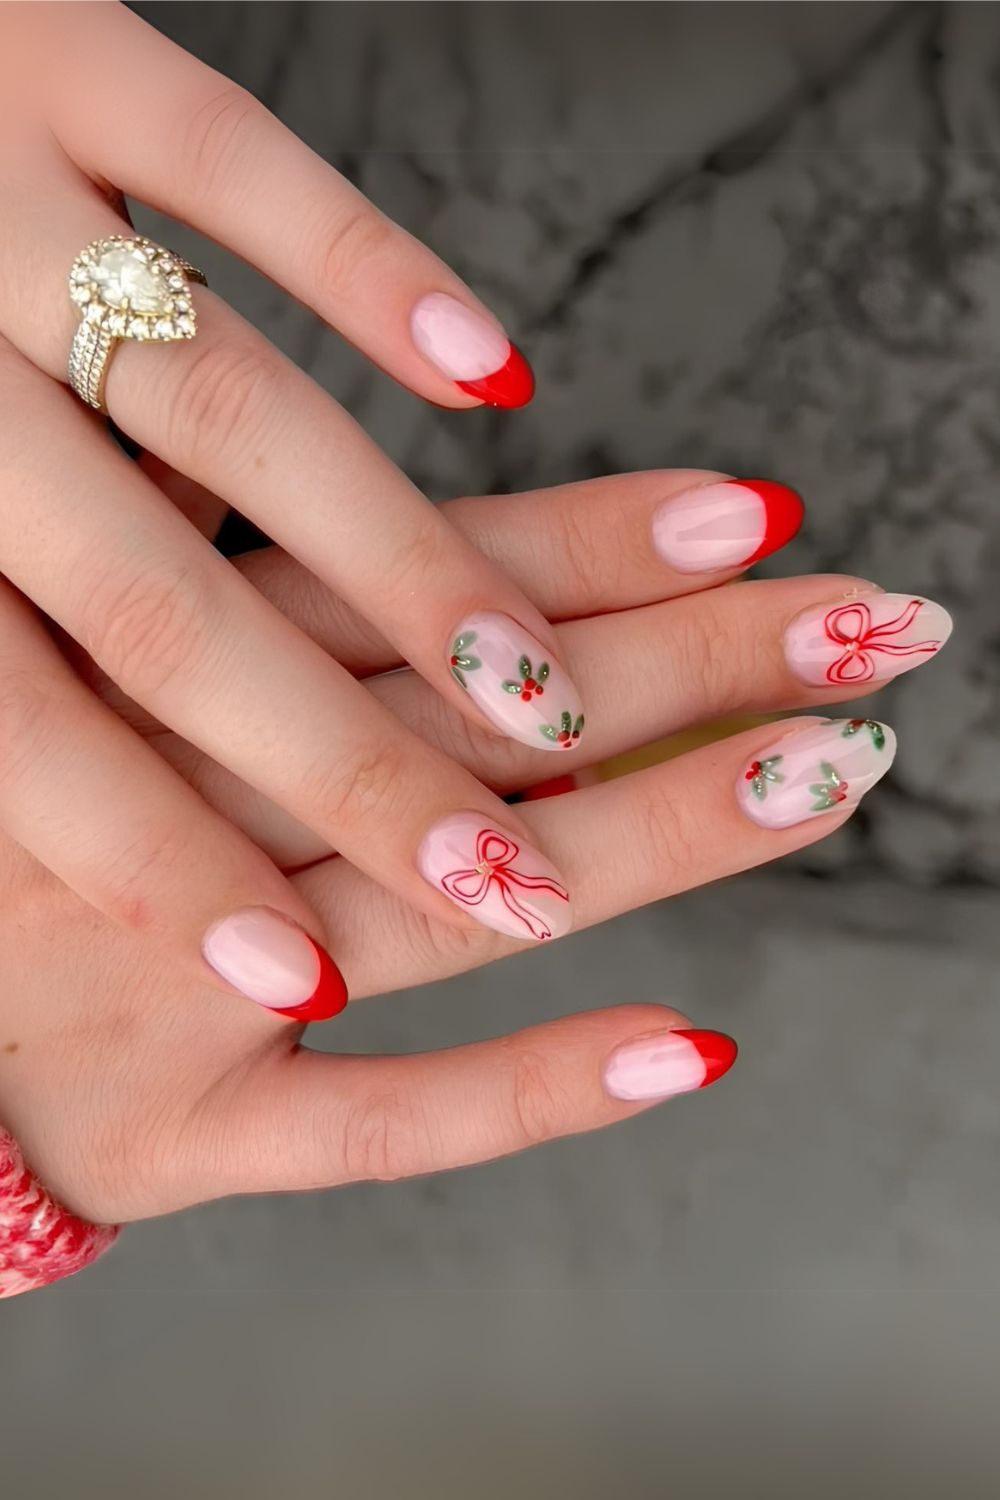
[(753, 236)]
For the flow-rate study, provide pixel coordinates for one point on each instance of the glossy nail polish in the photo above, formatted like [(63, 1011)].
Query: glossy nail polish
[(672, 1062), (496, 877), (518, 685), (731, 523), (272, 961), (472, 350), (865, 638), (808, 772)]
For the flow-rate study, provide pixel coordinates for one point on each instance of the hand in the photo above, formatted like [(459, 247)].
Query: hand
[(93, 97), (135, 1092)]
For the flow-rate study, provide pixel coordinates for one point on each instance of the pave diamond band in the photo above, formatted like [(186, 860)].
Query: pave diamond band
[(126, 287)]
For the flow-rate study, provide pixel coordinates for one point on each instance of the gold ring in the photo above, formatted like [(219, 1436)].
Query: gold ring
[(125, 287)]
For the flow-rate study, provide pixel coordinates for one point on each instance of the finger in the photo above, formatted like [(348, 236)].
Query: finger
[(237, 418), (321, 1121), (649, 674), (105, 813), (207, 152), (575, 549), (185, 636), (624, 843)]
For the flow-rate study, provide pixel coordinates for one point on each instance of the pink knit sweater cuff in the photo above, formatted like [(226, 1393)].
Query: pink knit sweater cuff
[(40, 1241)]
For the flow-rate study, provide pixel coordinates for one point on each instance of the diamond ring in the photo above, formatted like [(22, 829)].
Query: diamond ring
[(126, 288)]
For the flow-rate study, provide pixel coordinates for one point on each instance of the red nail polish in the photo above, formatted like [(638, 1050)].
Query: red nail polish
[(510, 386), (328, 999), (718, 1052), (784, 512)]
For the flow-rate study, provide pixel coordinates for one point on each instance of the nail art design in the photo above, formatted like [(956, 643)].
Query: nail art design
[(732, 523), (567, 733), (866, 640), (461, 660), (499, 880), (273, 961), (472, 350), (854, 726), (515, 682), (675, 1062), (762, 772), (823, 767)]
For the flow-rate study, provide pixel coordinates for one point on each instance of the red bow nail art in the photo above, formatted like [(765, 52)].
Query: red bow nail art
[(495, 855), (851, 626)]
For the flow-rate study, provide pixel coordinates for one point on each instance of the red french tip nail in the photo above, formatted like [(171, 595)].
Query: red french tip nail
[(510, 386), (784, 513), (328, 999), (717, 1050)]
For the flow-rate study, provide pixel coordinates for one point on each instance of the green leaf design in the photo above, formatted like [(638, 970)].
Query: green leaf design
[(524, 667), (578, 726), (566, 722), (460, 642), (469, 663), (459, 678), (543, 672), (758, 785), (549, 731), (854, 726), (511, 687), (824, 791)]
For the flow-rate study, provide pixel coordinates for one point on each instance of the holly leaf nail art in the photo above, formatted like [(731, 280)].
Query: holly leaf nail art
[(831, 790), (854, 726), (761, 773), (527, 684), (567, 733), (461, 659)]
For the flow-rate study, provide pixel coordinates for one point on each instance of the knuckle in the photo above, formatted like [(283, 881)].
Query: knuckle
[(719, 665), (28, 717), (418, 561), (222, 403), (144, 629), (340, 252), (135, 868), (365, 790), (219, 133), (539, 1107), (380, 1136), (665, 832)]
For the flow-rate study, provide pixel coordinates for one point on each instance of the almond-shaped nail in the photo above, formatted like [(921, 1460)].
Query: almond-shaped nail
[(817, 770), (496, 877), (274, 962), (672, 1062), (472, 350), (519, 685), (865, 639), (731, 523)]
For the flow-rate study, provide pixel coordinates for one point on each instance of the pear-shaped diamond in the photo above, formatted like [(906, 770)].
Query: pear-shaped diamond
[(126, 279)]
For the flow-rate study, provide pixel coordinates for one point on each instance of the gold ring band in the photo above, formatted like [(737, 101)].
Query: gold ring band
[(126, 287)]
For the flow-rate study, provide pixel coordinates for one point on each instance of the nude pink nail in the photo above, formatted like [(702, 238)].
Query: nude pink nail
[(518, 685), (472, 350), (673, 1062), (273, 961), (496, 877), (729, 524), (825, 768), (867, 638)]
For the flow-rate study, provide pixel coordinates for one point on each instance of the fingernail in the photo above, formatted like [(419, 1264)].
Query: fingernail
[(496, 877), (674, 1062), (516, 683), (471, 350), (822, 769), (867, 639), (730, 524), (271, 960)]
